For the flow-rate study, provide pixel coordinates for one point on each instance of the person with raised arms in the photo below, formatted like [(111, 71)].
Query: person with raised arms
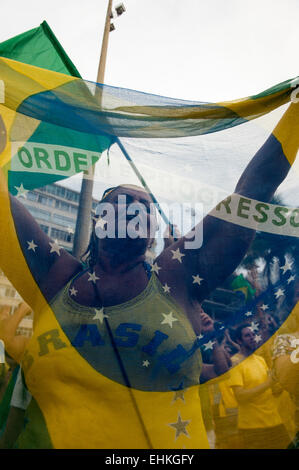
[(114, 361)]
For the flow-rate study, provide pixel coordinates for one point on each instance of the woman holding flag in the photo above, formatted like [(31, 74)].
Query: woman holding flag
[(114, 360)]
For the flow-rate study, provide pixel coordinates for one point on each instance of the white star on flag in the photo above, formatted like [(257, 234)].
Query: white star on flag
[(291, 278), (31, 245), (279, 293), (209, 345), (100, 315), (93, 277), (200, 336), (257, 338), (176, 254), (155, 268), (264, 307), (145, 363), (21, 191), (168, 319), (286, 267), (180, 427), (166, 288), (73, 291), (55, 248), (248, 314), (197, 279), (254, 326), (179, 393)]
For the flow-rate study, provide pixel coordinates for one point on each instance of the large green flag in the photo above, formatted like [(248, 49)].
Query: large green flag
[(39, 47), (60, 146)]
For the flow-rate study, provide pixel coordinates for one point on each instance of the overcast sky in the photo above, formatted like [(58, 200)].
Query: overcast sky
[(191, 49)]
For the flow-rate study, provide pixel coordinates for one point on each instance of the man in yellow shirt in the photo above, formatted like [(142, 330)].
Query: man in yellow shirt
[(259, 423)]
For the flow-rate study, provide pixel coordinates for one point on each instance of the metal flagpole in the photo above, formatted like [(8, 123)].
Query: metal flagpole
[(144, 184), (81, 237), (85, 202)]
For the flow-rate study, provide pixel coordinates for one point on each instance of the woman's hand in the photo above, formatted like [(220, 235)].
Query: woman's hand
[(14, 344)]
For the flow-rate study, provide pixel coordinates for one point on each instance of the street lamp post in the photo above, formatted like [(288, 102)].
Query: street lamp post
[(85, 201), (103, 57)]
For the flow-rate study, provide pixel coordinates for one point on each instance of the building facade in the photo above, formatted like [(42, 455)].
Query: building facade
[(55, 209)]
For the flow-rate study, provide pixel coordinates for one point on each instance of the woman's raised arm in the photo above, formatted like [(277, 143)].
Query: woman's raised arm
[(27, 255), (224, 243)]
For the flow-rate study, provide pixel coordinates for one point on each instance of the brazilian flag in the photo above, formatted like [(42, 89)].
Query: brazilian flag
[(53, 125)]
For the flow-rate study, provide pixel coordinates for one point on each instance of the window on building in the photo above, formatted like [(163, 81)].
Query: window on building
[(47, 201), (56, 190), (60, 191), (65, 206), (48, 189), (38, 213), (61, 235), (45, 228), (32, 196), (63, 220), (72, 196)]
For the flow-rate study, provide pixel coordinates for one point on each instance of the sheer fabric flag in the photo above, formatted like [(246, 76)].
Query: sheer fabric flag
[(63, 115), (78, 116)]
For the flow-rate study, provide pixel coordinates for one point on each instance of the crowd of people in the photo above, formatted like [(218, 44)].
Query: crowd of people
[(255, 404)]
